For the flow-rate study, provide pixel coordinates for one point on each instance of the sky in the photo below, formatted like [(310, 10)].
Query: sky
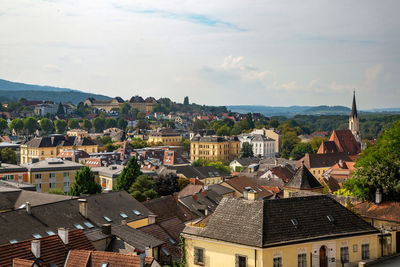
[(225, 52)]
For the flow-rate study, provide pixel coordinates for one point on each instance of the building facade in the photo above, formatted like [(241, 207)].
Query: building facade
[(167, 138), (272, 133), (214, 148), (262, 146)]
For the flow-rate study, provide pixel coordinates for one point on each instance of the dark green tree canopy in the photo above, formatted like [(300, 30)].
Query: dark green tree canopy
[(85, 183), (143, 188), (17, 125), (247, 150), (3, 125), (60, 109), (30, 125), (128, 175), (186, 100), (87, 125), (60, 125), (73, 124), (8, 156), (98, 124), (300, 150), (46, 125)]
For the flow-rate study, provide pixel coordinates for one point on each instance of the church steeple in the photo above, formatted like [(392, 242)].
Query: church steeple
[(354, 107), (353, 120)]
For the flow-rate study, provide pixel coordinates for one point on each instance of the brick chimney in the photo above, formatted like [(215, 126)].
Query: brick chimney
[(63, 234), (83, 207), (106, 229), (35, 248)]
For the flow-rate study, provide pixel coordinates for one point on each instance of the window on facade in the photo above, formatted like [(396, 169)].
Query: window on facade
[(52, 175), (344, 254), (313, 172), (19, 177), (42, 153), (365, 251), (355, 248), (277, 262), (199, 256), (38, 187), (241, 261), (302, 260), (52, 185), (66, 175), (66, 184), (9, 177), (38, 176)]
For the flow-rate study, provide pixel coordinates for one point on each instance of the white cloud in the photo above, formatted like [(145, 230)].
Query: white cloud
[(372, 74)]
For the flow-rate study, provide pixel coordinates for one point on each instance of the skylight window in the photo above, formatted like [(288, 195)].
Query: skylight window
[(88, 225), (171, 241), (294, 222), (36, 235), (13, 241), (22, 206), (123, 215), (49, 232), (104, 264), (137, 212), (165, 251), (107, 219), (78, 226)]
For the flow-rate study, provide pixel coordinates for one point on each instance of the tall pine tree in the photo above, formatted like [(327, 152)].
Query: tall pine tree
[(85, 183), (128, 175)]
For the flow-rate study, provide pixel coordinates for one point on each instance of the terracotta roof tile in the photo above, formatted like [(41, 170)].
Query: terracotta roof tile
[(387, 211)]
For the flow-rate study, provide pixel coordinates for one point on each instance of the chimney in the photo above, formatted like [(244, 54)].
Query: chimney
[(252, 195), (276, 162), (83, 207), (35, 248), (341, 163), (0, 163), (378, 196), (123, 222), (63, 234), (106, 229), (28, 208), (142, 260), (152, 218), (148, 252)]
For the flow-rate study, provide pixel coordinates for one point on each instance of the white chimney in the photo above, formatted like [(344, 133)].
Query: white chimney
[(28, 208), (378, 196), (35, 247), (63, 234), (83, 207), (152, 218), (148, 252)]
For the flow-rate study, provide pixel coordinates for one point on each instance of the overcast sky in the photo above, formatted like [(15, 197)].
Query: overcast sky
[(277, 53)]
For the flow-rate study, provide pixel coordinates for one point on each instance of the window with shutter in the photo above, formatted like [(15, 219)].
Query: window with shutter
[(199, 256), (241, 261)]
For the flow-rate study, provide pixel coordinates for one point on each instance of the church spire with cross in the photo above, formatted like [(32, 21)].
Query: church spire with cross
[(354, 126)]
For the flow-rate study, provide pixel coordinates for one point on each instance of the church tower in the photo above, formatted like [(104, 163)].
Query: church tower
[(353, 120)]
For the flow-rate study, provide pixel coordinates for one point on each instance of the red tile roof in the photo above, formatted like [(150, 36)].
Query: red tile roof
[(82, 258), (345, 142), (52, 248), (241, 182), (22, 263), (386, 211)]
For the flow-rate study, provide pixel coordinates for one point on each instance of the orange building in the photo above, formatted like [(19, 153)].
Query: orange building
[(13, 172)]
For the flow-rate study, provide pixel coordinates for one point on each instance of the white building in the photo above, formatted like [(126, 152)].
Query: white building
[(262, 146)]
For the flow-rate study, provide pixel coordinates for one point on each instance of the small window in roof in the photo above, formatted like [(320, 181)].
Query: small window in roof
[(330, 218), (49, 232), (104, 264), (88, 225), (13, 241), (22, 206), (165, 251), (78, 226), (107, 219), (136, 212), (171, 241), (36, 235), (123, 215), (294, 222)]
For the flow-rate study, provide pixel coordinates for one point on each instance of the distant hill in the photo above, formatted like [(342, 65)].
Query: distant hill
[(13, 91), (327, 110)]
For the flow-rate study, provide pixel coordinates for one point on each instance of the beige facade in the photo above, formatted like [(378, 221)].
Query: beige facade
[(167, 139), (214, 148)]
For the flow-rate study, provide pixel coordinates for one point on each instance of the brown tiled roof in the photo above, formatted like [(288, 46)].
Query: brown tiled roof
[(241, 182), (283, 173), (386, 211), (97, 258), (190, 189), (327, 147), (322, 160), (52, 248), (22, 263), (345, 142)]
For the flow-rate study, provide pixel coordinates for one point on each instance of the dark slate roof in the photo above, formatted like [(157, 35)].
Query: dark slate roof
[(198, 172), (247, 161), (167, 207), (322, 160), (136, 238), (220, 189), (59, 140), (267, 223), (303, 179)]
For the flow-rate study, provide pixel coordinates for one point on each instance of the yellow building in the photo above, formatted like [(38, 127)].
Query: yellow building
[(306, 231), (302, 180), (214, 148), (40, 148), (166, 137), (107, 176), (78, 133), (143, 105), (106, 105), (52, 173)]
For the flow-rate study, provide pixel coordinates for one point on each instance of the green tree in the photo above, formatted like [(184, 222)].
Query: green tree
[(316, 142), (274, 123), (60, 110), (106, 140), (30, 125), (183, 182), (289, 140), (87, 125), (300, 150), (122, 124), (8, 156), (143, 188), (110, 123), (110, 147), (199, 124), (98, 124), (73, 124), (85, 183), (186, 145), (128, 175), (60, 125), (124, 109), (249, 120), (186, 100), (46, 125), (378, 167), (56, 191), (17, 125), (247, 150), (223, 131), (3, 125)]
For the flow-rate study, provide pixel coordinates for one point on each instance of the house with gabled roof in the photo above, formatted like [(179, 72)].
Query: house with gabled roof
[(302, 180), (303, 231)]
